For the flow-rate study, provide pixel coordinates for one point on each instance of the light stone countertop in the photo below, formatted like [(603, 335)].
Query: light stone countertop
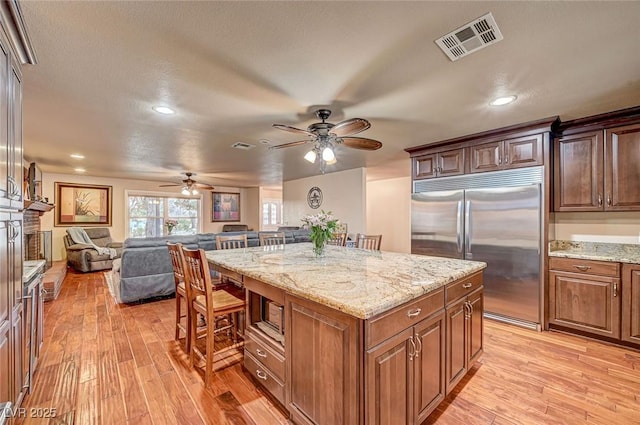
[(613, 252), (358, 282), (30, 268)]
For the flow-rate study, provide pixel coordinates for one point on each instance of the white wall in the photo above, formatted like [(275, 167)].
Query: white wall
[(120, 186), (343, 194), (616, 227), (389, 213)]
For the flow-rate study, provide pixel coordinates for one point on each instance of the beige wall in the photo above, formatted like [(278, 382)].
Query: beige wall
[(343, 194), (389, 213), (120, 186), (619, 227), (250, 213)]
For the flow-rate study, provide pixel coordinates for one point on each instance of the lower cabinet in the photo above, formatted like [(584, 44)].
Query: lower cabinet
[(631, 303), (17, 381), (5, 362), (464, 337), (406, 374), (585, 295)]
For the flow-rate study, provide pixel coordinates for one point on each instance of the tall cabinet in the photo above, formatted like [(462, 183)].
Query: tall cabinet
[(15, 50)]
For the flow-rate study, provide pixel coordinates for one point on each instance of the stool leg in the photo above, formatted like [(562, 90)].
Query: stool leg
[(178, 315)]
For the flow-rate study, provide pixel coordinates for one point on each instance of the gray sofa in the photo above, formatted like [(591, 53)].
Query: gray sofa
[(144, 270), (84, 258)]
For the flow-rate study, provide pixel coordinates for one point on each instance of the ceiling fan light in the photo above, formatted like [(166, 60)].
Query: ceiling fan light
[(185, 191), (310, 156), (194, 191), (333, 161), (328, 155)]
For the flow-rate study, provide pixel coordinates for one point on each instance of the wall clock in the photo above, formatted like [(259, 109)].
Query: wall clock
[(314, 197)]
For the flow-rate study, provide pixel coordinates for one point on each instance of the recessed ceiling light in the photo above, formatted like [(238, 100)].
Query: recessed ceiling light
[(77, 156), (165, 110), (500, 101), (79, 170)]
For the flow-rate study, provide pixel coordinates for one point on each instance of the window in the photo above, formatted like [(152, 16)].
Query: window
[(271, 214), (148, 215)]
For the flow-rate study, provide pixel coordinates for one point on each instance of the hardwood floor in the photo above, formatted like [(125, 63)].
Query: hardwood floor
[(105, 363)]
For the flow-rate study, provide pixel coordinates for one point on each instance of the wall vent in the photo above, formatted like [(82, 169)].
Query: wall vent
[(471, 37), (243, 146)]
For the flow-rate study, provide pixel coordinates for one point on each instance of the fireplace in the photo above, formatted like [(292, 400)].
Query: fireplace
[(37, 246)]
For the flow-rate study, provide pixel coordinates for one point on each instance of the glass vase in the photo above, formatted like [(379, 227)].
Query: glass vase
[(318, 247)]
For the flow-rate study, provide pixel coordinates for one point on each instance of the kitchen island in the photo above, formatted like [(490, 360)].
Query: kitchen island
[(356, 336)]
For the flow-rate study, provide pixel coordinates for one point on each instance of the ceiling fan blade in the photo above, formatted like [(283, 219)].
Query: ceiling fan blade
[(292, 129), (169, 185), (361, 143), (351, 126), (203, 186), (287, 145)]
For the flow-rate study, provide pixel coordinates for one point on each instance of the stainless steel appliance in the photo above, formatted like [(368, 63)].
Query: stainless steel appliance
[(494, 217)]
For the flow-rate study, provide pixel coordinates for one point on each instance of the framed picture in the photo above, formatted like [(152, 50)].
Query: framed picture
[(82, 205), (226, 206)]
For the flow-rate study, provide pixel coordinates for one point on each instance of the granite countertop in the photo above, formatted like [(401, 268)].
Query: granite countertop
[(30, 268), (614, 252), (358, 282)]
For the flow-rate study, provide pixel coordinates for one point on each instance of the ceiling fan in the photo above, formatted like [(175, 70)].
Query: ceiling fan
[(189, 185), (326, 136)]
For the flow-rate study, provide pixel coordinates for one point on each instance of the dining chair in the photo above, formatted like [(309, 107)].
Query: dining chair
[(211, 304), (371, 242), (271, 238), (338, 239), (177, 262), (231, 241)]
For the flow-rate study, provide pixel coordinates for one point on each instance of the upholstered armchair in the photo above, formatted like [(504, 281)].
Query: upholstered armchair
[(84, 258)]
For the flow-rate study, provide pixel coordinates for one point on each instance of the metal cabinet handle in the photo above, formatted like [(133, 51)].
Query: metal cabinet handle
[(599, 200), (609, 200), (506, 159), (419, 340), (413, 313), (261, 353), (582, 268), (467, 285), (467, 310), (470, 308), (27, 297), (412, 349), (261, 374), (615, 289)]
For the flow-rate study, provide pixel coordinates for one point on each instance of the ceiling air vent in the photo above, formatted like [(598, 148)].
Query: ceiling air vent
[(243, 146), (471, 37)]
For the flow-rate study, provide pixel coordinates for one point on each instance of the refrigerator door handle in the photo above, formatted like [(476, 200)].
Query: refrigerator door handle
[(459, 227), (467, 231)]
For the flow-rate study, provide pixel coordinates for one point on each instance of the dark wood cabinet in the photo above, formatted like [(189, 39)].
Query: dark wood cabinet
[(598, 170), (17, 356), (405, 374), (585, 295), (464, 328), (519, 152), (6, 366), (631, 303), (446, 163), (622, 168)]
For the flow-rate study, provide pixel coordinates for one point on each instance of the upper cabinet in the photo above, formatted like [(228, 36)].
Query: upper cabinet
[(597, 169), (505, 148)]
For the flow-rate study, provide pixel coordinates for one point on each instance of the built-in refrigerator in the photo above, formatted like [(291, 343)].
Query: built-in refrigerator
[(495, 217)]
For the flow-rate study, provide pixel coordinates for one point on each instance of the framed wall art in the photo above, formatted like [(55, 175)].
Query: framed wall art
[(82, 205), (226, 206)]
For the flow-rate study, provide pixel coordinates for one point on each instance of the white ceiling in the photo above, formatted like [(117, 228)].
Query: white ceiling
[(231, 69)]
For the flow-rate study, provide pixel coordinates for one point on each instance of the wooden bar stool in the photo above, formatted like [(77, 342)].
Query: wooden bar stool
[(271, 238), (177, 262), (371, 242)]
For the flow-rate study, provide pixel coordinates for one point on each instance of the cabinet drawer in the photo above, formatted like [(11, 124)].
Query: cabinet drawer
[(259, 350), (393, 322), (264, 376), (574, 265), (462, 287)]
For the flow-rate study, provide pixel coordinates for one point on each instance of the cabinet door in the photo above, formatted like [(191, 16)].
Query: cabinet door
[(36, 344), (622, 168), (451, 163), (475, 333), (424, 167), (522, 152), (15, 256), (388, 381), (429, 376), (585, 302), (486, 157), (578, 172), (5, 186), (17, 349), (631, 303), (5, 362), (455, 349), (5, 291)]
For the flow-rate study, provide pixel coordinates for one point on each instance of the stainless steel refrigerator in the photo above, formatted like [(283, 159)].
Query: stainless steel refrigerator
[(492, 217)]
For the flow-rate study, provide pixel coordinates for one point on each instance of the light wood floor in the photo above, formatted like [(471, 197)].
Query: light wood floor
[(112, 364)]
